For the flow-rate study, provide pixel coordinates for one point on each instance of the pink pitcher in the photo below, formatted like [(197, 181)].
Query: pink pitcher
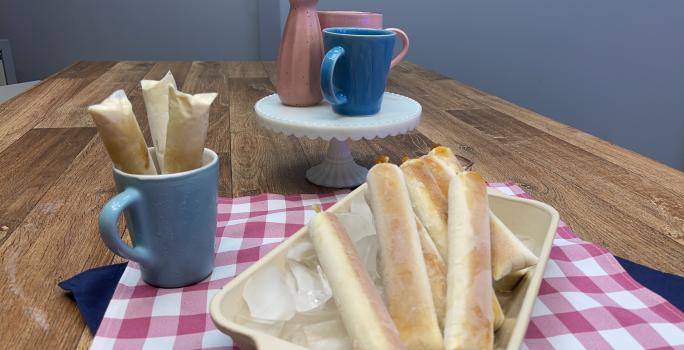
[(300, 56)]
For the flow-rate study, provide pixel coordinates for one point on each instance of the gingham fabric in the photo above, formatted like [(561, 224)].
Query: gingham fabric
[(586, 299)]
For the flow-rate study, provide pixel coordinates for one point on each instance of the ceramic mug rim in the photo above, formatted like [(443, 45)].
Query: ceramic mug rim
[(349, 13), (161, 177), (379, 33)]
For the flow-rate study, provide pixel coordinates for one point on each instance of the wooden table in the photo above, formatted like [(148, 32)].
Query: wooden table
[(55, 174)]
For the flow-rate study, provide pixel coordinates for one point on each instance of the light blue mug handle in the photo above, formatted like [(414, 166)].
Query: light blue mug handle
[(110, 232), (327, 70)]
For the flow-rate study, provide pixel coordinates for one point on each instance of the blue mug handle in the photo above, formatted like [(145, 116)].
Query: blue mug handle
[(327, 70), (109, 215)]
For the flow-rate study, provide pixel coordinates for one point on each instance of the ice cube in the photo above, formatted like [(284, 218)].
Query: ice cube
[(359, 206), (367, 248), (294, 333), (326, 312), (302, 251), (270, 294), (294, 328), (357, 226), (274, 328), (312, 289), (324, 280), (327, 335)]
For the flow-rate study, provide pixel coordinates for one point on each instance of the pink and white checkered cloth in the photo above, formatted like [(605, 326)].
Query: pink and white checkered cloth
[(586, 300)]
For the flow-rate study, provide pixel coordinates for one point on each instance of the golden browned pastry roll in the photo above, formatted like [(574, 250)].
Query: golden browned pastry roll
[(363, 312), (412, 309), (428, 202), (469, 322), (508, 252), (443, 164), (436, 271), (437, 274), (121, 134)]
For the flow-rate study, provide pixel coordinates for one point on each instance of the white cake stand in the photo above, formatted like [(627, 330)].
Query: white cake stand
[(398, 115)]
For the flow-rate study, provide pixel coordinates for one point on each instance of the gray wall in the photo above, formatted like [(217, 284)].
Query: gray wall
[(612, 68), (270, 28), (48, 35)]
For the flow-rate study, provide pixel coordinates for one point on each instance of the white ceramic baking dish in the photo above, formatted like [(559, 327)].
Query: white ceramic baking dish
[(534, 221)]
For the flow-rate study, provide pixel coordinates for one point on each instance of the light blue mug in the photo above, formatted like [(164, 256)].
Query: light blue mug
[(171, 219)]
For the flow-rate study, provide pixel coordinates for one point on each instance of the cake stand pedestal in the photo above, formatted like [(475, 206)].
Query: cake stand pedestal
[(398, 115)]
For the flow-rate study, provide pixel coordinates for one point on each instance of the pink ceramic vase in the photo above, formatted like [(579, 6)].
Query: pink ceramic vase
[(300, 56)]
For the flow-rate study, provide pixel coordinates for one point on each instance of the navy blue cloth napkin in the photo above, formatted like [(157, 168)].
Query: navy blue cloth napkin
[(666, 285), (93, 289)]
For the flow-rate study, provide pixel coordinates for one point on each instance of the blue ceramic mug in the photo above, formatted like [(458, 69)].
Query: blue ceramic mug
[(172, 222), (355, 67)]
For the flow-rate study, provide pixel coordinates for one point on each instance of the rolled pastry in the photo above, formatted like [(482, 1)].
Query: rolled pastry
[(469, 322), (497, 312), (428, 202), (362, 310), (437, 273), (156, 95), (443, 164), (508, 252), (121, 134), (411, 308), (511, 281), (187, 130)]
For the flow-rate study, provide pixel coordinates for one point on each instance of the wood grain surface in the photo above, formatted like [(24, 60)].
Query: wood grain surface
[(55, 174)]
